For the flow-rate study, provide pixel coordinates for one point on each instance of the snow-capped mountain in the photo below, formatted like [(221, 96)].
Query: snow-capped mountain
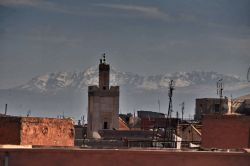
[(54, 82), (58, 93)]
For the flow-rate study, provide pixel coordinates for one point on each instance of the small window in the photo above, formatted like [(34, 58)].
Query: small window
[(217, 108), (104, 88), (105, 125)]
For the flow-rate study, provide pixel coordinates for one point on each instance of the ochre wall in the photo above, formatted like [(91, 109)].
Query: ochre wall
[(225, 131), (36, 131), (55, 157), (47, 131)]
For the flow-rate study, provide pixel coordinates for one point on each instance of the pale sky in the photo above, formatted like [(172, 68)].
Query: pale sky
[(139, 36)]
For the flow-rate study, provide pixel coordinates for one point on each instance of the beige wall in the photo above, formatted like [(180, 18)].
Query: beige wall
[(103, 107)]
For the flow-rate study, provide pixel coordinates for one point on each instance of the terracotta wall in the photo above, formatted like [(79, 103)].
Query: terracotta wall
[(226, 131), (10, 130), (47, 131), (36, 131), (55, 157)]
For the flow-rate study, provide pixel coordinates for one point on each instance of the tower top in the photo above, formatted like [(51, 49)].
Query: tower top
[(104, 69), (103, 59)]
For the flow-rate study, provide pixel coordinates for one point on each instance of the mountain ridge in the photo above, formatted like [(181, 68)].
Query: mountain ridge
[(56, 81)]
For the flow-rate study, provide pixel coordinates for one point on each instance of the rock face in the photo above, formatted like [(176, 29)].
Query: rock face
[(36, 131)]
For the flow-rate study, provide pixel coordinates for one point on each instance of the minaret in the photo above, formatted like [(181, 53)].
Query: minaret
[(103, 103), (104, 74)]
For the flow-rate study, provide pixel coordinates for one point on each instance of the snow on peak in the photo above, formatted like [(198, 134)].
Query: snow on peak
[(62, 80)]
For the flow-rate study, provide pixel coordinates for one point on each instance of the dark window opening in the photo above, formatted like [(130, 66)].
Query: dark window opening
[(104, 88), (217, 108), (105, 125)]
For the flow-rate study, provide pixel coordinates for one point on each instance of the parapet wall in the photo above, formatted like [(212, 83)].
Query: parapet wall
[(47, 131), (226, 131), (105, 157), (36, 131)]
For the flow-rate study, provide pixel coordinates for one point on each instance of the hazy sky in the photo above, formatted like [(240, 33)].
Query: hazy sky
[(140, 36)]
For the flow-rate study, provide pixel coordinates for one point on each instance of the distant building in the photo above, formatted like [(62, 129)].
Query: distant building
[(150, 114), (190, 133), (210, 106), (241, 105), (80, 134), (103, 103), (36, 131)]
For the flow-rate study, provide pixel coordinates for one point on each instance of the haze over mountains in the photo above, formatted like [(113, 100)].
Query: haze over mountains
[(65, 93)]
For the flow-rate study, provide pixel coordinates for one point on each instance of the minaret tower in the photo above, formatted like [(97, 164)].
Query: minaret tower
[(103, 103)]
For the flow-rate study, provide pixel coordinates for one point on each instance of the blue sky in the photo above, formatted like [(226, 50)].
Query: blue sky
[(140, 36)]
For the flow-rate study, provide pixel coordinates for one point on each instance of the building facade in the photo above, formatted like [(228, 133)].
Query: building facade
[(103, 103), (205, 106)]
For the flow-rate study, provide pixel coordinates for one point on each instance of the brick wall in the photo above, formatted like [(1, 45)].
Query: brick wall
[(226, 131)]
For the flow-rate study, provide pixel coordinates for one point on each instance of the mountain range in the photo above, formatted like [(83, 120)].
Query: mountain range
[(57, 81), (65, 93)]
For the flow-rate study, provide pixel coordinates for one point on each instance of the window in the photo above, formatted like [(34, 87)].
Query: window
[(105, 125), (217, 108)]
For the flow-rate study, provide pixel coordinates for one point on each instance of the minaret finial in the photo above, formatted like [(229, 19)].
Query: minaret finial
[(104, 57)]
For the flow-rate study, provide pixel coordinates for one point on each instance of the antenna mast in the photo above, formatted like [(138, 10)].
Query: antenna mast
[(168, 128), (182, 110), (159, 104), (170, 95)]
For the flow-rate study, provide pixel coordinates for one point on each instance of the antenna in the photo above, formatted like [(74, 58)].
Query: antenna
[(159, 104), (6, 107), (28, 113), (169, 134), (170, 95), (182, 109), (83, 120)]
